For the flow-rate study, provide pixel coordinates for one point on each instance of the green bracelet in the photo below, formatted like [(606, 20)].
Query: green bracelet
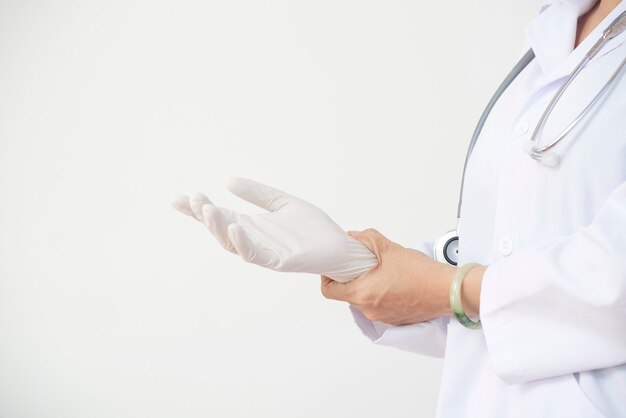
[(455, 296)]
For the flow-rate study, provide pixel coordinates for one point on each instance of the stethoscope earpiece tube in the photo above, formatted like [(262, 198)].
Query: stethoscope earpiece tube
[(519, 67)]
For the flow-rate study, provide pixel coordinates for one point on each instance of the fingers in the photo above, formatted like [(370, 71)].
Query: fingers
[(259, 194), (196, 202), (241, 241), (250, 248), (335, 290), (181, 204), (222, 223), (217, 221), (190, 206)]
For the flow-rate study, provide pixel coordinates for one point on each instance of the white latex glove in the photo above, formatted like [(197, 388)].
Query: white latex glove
[(294, 236)]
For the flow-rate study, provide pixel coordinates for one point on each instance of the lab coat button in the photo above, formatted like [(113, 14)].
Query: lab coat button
[(505, 246), (521, 128)]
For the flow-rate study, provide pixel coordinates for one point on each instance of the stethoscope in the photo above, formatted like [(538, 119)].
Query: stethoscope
[(447, 246)]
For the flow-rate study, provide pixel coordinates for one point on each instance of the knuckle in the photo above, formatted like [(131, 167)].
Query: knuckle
[(375, 302), (356, 296), (373, 315), (366, 297)]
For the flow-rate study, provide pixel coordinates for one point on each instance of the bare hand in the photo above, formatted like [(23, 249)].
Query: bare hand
[(406, 286)]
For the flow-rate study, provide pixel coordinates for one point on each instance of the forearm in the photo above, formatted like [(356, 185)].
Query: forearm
[(406, 286)]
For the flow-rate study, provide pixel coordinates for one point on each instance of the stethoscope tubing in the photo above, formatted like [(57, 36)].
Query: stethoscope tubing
[(617, 26), (519, 67)]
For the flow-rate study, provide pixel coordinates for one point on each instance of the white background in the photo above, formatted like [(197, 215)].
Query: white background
[(114, 305)]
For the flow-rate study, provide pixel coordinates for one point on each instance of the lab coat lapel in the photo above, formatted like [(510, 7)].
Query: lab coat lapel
[(552, 36), (567, 65)]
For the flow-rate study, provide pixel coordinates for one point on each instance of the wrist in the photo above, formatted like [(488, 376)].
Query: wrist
[(445, 279), (470, 291)]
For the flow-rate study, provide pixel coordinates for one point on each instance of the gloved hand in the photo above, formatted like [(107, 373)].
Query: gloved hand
[(294, 236)]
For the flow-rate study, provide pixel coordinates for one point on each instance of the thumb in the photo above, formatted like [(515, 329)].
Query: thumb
[(259, 194), (371, 238)]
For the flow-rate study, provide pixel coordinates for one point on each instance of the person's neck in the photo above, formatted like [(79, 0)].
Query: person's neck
[(589, 21)]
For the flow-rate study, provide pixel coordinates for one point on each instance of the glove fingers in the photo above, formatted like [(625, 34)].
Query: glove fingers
[(181, 204), (250, 248), (217, 221), (259, 194), (196, 202)]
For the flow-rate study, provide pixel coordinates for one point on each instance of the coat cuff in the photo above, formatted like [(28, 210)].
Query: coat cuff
[(427, 338)]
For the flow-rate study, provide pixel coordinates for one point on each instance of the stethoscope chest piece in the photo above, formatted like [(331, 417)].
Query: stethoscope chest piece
[(447, 248)]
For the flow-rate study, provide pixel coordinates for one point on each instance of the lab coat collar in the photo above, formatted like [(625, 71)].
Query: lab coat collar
[(552, 36)]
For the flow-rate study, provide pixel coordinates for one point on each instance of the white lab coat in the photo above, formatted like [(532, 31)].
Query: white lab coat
[(553, 299)]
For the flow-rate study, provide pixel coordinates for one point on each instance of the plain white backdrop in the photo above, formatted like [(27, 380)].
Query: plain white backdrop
[(114, 305)]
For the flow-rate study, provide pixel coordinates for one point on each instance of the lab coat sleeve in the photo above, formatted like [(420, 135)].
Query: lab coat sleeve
[(560, 308), (427, 338)]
